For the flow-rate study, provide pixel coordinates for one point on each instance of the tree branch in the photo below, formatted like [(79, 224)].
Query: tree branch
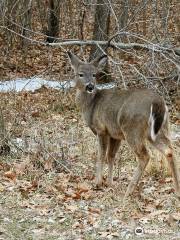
[(117, 45)]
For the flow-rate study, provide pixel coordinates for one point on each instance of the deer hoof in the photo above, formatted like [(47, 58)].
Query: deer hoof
[(109, 183), (98, 185)]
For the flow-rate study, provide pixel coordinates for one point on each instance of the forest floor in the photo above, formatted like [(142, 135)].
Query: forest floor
[(46, 182)]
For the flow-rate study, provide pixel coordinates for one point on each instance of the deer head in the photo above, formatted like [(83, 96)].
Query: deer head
[(85, 73)]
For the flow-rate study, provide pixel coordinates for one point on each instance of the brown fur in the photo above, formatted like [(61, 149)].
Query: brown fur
[(114, 115)]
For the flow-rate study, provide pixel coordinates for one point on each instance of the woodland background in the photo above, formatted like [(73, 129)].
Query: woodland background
[(47, 153)]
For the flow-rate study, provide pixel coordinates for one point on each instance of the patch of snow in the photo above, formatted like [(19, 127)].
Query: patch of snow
[(34, 83)]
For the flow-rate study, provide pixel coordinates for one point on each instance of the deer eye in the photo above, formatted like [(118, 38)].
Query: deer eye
[(81, 75)]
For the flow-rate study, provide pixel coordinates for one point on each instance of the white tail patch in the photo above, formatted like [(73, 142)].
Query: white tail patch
[(166, 114), (151, 122)]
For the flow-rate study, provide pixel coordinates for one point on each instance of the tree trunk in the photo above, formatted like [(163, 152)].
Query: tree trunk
[(53, 20), (4, 147), (123, 16), (101, 32), (26, 21)]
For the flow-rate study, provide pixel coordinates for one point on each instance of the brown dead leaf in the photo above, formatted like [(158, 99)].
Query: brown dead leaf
[(35, 114), (88, 195), (72, 208), (61, 186), (19, 168), (77, 225), (24, 193), (91, 219), (83, 187), (60, 197), (83, 192), (76, 196), (94, 210), (11, 175), (34, 184), (48, 164), (70, 193)]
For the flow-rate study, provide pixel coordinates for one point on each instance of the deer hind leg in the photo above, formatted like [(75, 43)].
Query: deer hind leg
[(163, 144), (103, 143), (143, 159), (113, 146)]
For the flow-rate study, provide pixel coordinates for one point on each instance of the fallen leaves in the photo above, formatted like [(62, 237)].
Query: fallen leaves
[(109, 235), (71, 208), (2, 188), (83, 187), (35, 114), (51, 197), (26, 188), (94, 210), (70, 189), (19, 168), (10, 175)]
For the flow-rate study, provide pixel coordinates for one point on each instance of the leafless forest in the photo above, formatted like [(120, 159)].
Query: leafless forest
[(47, 153)]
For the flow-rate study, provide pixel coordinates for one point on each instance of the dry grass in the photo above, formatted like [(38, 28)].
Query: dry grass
[(46, 187)]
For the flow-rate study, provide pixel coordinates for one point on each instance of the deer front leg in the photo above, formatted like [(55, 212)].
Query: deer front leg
[(113, 146), (102, 148)]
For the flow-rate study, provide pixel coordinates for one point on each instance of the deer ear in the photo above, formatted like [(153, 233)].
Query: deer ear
[(74, 60), (101, 61)]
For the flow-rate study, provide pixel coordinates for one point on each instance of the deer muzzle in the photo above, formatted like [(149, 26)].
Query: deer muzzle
[(90, 87)]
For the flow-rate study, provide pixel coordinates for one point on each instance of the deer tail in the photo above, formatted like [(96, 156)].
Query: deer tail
[(158, 115)]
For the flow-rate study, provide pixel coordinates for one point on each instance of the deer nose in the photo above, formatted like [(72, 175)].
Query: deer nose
[(89, 87)]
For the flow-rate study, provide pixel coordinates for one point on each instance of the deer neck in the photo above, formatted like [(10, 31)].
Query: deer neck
[(85, 100)]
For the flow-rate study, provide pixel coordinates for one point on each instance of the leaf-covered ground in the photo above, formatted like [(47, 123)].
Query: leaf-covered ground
[(46, 183)]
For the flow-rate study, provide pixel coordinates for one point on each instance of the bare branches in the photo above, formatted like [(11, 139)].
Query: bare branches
[(137, 46), (142, 39), (147, 46)]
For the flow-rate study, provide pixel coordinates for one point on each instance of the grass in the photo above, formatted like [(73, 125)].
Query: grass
[(51, 194)]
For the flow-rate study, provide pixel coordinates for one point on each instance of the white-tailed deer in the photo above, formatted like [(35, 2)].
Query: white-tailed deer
[(136, 115)]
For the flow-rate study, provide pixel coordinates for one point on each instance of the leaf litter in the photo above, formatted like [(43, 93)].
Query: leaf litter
[(46, 188)]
